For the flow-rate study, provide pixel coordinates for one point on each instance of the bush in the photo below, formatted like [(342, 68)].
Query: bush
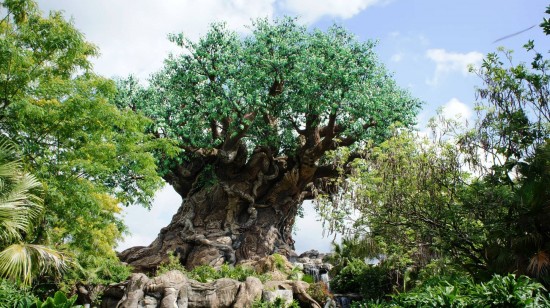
[(500, 291), (59, 300), (319, 291), (173, 264), (509, 291), (206, 273), (12, 295), (278, 303), (370, 281)]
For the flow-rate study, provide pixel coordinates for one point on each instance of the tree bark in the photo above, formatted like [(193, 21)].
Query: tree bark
[(247, 213)]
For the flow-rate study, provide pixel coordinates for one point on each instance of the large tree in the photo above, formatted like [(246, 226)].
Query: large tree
[(90, 156), (253, 119)]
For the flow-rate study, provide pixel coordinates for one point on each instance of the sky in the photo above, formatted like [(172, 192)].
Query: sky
[(426, 44)]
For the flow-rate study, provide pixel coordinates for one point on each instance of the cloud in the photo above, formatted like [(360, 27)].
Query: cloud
[(455, 109), (132, 34), (312, 10), (449, 62)]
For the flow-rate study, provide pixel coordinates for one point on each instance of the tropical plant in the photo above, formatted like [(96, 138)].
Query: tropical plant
[(370, 281), (59, 300), (20, 208), (14, 295), (500, 291)]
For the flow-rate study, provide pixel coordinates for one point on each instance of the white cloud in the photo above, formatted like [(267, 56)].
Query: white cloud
[(455, 109), (449, 62), (132, 34), (312, 10)]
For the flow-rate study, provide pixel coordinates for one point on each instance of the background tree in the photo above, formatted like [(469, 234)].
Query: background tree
[(415, 199), (90, 156), (252, 119)]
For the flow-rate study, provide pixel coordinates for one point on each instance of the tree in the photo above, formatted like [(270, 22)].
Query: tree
[(20, 208), (90, 155), (415, 198), (510, 147), (253, 119)]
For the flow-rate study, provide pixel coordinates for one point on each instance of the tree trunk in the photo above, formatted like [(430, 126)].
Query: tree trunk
[(244, 215)]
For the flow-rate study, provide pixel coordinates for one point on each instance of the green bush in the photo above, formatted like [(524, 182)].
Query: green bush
[(173, 264), (319, 291), (59, 300), (370, 281), (509, 291), (278, 303), (500, 291), (11, 295)]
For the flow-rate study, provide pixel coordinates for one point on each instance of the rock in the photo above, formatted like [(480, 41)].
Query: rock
[(134, 291), (271, 296), (220, 293), (249, 292), (278, 267), (298, 289), (210, 256), (312, 254)]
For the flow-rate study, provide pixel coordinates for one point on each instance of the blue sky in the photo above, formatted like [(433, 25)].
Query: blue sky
[(427, 44)]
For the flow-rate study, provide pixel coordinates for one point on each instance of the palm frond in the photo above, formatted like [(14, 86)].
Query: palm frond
[(20, 262), (19, 207)]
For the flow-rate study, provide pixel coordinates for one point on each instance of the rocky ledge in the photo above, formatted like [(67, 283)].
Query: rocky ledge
[(175, 289)]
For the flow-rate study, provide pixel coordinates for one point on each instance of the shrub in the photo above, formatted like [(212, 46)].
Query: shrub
[(173, 264), (370, 281), (319, 291), (500, 291), (59, 300), (12, 295), (509, 291), (278, 303)]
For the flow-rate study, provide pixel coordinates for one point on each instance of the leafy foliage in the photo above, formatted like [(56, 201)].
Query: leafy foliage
[(13, 295), (417, 202), (267, 90), (206, 273), (319, 291), (89, 155), (20, 207), (59, 300), (370, 281), (500, 291), (278, 303)]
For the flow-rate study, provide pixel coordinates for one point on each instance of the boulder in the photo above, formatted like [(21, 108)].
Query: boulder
[(249, 292), (272, 296)]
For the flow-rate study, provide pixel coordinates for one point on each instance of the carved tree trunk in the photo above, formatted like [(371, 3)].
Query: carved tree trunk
[(246, 212)]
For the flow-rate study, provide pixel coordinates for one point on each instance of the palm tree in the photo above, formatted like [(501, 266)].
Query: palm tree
[(20, 207)]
